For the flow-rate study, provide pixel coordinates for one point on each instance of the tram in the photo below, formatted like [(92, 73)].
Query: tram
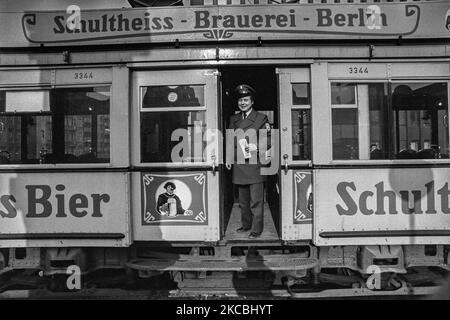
[(101, 108)]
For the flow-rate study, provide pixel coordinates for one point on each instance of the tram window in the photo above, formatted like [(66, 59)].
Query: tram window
[(343, 93), (377, 98), (421, 120), (165, 109), (345, 134), (157, 129), (301, 121), (173, 96), (344, 121), (24, 137), (415, 127), (301, 134), (72, 126), (360, 121), (300, 94)]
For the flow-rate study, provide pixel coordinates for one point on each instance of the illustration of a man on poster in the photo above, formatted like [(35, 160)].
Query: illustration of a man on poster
[(169, 204)]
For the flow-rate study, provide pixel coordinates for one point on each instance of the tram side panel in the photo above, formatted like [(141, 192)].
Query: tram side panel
[(64, 209), (174, 206), (390, 206), (297, 206)]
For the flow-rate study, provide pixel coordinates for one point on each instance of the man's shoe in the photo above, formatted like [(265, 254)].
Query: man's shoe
[(242, 229), (254, 235)]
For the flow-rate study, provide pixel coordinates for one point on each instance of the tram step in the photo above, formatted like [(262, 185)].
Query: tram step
[(272, 262)]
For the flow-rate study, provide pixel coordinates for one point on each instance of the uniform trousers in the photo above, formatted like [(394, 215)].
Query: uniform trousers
[(251, 202)]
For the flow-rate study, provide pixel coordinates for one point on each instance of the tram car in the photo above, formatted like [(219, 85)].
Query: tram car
[(104, 111)]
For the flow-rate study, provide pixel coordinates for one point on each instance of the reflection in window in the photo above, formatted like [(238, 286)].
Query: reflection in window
[(81, 110), (421, 120), (173, 96), (379, 125), (343, 93), (300, 94), (72, 126), (345, 133), (156, 132), (24, 139), (408, 121), (301, 134)]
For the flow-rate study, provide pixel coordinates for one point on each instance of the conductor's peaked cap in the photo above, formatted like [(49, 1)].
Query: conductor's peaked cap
[(244, 90)]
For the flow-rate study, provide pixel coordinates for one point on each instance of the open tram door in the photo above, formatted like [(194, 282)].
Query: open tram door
[(175, 155), (294, 87), (263, 79)]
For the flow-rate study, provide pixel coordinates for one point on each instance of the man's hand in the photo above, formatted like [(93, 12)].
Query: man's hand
[(164, 209), (251, 147)]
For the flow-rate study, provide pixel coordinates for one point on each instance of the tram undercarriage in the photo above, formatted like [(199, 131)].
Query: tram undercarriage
[(299, 270)]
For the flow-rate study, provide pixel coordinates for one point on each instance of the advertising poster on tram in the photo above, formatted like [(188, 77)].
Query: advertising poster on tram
[(303, 197), (396, 206), (174, 199), (64, 205)]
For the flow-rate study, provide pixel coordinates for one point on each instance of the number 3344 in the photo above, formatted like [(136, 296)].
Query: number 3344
[(358, 70), (83, 75)]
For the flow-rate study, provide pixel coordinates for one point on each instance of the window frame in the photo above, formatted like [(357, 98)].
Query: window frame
[(392, 148), (37, 87), (354, 106), (171, 109), (179, 77), (294, 107), (174, 109)]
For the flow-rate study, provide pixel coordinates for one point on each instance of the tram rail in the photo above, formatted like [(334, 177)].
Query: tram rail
[(211, 294)]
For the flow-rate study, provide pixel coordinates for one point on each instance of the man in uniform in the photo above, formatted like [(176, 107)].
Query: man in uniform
[(247, 175)]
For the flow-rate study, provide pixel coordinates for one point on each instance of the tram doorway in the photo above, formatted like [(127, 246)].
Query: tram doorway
[(264, 80)]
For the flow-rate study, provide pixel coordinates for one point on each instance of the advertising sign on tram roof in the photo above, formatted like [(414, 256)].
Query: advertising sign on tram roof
[(226, 23)]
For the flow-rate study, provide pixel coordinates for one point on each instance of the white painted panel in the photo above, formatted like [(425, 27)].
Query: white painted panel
[(293, 227), (357, 71), (64, 203), (120, 113), (420, 70), (321, 114), (83, 76), (25, 77), (374, 200)]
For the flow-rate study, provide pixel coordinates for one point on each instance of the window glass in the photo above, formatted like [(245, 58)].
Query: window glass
[(103, 133), (301, 134), (25, 101), (156, 133), (24, 139), (173, 96), (421, 120), (72, 125), (345, 134), (300, 94), (343, 93), (379, 121), (409, 120)]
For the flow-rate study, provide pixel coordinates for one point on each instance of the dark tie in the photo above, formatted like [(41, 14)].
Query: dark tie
[(244, 115)]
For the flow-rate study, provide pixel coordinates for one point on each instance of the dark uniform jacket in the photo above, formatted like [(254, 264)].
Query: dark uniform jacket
[(163, 199), (249, 173)]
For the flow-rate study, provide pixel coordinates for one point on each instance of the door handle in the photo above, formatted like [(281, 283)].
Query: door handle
[(213, 158), (285, 158)]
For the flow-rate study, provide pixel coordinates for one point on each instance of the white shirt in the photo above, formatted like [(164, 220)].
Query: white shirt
[(247, 113)]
